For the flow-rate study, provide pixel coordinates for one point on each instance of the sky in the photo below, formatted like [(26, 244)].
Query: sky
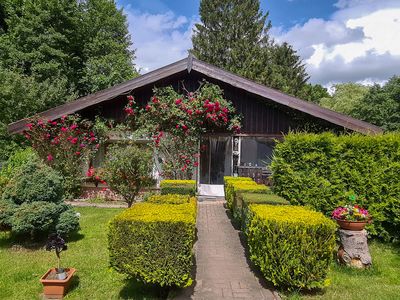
[(338, 40)]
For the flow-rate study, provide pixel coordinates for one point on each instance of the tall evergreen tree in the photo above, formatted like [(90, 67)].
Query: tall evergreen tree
[(233, 35)]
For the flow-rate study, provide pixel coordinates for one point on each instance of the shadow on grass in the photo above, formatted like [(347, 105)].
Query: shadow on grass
[(74, 283), (139, 291)]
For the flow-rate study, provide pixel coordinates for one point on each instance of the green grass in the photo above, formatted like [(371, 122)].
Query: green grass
[(21, 268), (382, 281)]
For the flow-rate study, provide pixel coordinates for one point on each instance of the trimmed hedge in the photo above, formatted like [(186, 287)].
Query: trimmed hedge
[(322, 170), (293, 246), (170, 199), (243, 200), (153, 242), (182, 187), (234, 185)]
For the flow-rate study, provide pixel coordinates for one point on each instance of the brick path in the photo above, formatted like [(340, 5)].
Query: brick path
[(222, 270)]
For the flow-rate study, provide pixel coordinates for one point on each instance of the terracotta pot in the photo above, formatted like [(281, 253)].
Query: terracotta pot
[(352, 225), (55, 288)]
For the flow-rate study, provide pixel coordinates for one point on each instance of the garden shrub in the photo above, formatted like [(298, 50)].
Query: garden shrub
[(128, 169), (170, 199), (321, 170), (234, 185), (14, 162), (292, 245), (153, 242), (244, 199), (37, 219), (182, 187), (6, 211), (34, 181)]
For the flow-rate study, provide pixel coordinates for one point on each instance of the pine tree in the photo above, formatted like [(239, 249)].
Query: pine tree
[(233, 35)]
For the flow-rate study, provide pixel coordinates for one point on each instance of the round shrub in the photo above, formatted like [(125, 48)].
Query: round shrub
[(34, 181), (40, 218), (67, 222), (35, 218), (6, 211)]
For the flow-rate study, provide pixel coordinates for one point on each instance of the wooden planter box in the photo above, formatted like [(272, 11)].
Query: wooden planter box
[(55, 288)]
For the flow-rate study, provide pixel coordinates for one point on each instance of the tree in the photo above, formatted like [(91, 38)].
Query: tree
[(233, 35), (381, 105), (52, 51), (107, 54), (127, 170), (346, 97), (313, 93)]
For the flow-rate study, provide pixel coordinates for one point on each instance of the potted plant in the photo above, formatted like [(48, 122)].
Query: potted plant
[(56, 280), (351, 216)]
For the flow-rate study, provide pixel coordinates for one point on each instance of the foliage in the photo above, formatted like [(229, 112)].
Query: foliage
[(6, 212), (153, 242), (176, 122), (244, 199), (293, 246), (56, 242), (53, 51), (318, 169), (34, 181), (183, 187), (234, 186), (170, 199), (127, 170), (65, 145), (381, 105), (37, 219), (346, 97), (68, 221), (14, 162)]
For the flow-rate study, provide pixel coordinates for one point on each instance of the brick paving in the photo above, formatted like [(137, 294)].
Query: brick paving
[(222, 270)]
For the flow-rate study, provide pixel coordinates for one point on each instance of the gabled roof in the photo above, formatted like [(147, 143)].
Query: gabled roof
[(187, 65)]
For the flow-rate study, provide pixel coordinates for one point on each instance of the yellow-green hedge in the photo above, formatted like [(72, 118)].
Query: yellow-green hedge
[(234, 185), (183, 187), (153, 242), (292, 245), (170, 199)]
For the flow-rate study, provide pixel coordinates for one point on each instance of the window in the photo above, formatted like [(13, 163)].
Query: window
[(256, 151)]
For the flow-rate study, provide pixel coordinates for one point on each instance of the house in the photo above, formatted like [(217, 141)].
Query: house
[(267, 114)]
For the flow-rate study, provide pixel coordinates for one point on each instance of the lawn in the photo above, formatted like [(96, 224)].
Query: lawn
[(382, 281), (21, 268)]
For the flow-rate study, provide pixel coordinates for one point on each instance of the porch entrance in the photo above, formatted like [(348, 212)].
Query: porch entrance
[(215, 163)]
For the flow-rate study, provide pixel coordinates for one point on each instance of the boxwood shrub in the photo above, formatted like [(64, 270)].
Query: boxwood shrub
[(235, 185), (170, 199), (244, 199), (322, 170), (293, 246), (153, 242), (182, 187)]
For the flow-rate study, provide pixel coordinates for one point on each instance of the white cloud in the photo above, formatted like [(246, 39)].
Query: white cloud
[(359, 43), (159, 39)]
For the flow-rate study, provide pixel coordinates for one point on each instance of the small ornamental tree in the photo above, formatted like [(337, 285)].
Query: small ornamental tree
[(176, 122), (64, 145), (127, 170)]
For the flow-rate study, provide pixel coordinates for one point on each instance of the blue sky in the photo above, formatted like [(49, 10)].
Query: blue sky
[(339, 40)]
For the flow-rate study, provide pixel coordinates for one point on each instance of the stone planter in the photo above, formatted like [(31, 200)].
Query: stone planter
[(352, 225), (55, 288)]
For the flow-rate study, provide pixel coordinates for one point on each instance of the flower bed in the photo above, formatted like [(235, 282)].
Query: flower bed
[(153, 242)]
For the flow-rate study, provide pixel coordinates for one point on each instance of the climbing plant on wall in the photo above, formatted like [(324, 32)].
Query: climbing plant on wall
[(176, 121)]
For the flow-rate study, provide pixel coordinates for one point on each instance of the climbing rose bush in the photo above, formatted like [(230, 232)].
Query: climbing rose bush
[(177, 121), (64, 144)]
